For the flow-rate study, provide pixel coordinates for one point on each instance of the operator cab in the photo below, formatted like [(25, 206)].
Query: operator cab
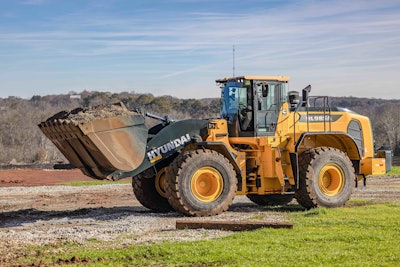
[(251, 104)]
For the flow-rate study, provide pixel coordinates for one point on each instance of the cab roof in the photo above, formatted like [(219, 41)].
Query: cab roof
[(258, 78)]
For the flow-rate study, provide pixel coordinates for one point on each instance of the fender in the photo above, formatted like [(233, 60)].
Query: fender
[(221, 148), (339, 140)]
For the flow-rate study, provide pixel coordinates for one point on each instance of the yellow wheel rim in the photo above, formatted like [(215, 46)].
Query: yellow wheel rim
[(207, 184), (160, 181), (331, 180)]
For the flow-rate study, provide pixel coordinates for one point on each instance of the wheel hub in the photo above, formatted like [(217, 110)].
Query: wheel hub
[(331, 180), (160, 182), (207, 184)]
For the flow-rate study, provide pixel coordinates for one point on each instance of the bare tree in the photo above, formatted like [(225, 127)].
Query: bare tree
[(390, 121)]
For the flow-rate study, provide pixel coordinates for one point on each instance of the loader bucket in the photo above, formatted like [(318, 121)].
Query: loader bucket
[(99, 140)]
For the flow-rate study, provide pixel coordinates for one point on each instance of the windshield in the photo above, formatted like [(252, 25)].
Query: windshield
[(231, 96)]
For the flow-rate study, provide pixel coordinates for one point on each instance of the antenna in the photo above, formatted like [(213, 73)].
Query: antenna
[(233, 55)]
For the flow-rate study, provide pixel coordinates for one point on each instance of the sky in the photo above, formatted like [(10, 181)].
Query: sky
[(180, 47)]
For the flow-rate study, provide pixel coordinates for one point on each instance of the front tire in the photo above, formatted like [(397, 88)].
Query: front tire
[(326, 178), (150, 191), (201, 183)]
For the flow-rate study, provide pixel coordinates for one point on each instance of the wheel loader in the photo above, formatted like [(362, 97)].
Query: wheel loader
[(269, 144)]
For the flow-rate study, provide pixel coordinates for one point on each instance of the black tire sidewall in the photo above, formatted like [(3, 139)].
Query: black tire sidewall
[(341, 160)]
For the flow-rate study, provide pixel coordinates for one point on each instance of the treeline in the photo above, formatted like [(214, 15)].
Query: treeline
[(21, 141), (384, 116)]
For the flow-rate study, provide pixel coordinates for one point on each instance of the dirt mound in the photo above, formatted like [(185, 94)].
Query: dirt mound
[(84, 115)]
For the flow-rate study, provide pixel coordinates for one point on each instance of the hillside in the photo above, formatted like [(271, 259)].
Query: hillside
[(22, 142)]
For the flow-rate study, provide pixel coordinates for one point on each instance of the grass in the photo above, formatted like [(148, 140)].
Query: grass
[(96, 182), (394, 172), (360, 235)]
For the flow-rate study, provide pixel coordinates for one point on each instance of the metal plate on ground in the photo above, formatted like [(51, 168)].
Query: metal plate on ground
[(230, 226)]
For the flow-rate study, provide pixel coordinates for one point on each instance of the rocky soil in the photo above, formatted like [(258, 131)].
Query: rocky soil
[(54, 214), (81, 115)]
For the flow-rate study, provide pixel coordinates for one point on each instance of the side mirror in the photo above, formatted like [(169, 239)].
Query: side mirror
[(305, 94)]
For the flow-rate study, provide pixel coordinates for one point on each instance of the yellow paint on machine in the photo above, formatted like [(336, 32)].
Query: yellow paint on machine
[(374, 166)]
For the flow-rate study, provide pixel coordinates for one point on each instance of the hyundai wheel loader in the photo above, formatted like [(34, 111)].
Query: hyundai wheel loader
[(269, 144)]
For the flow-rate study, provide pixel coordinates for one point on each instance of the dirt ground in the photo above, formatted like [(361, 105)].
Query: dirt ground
[(36, 210), (36, 177)]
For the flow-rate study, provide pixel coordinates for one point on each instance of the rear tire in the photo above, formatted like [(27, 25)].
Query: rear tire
[(149, 191), (271, 200), (326, 178), (201, 183)]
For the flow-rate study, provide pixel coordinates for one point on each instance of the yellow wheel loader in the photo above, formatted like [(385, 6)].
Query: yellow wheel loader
[(269, 144)]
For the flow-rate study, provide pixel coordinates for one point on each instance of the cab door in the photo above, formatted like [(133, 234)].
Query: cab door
[(269, 97)]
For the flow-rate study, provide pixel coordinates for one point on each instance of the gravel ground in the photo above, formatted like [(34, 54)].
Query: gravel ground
[(46, 215)]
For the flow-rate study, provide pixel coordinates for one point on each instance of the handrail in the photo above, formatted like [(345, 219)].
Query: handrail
[(311, 105)]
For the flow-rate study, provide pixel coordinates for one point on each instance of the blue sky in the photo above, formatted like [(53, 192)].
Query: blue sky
[(180, 47)]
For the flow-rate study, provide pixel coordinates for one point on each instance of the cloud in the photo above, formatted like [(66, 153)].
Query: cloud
[(202, 31), (311, 38), (33, 2)]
